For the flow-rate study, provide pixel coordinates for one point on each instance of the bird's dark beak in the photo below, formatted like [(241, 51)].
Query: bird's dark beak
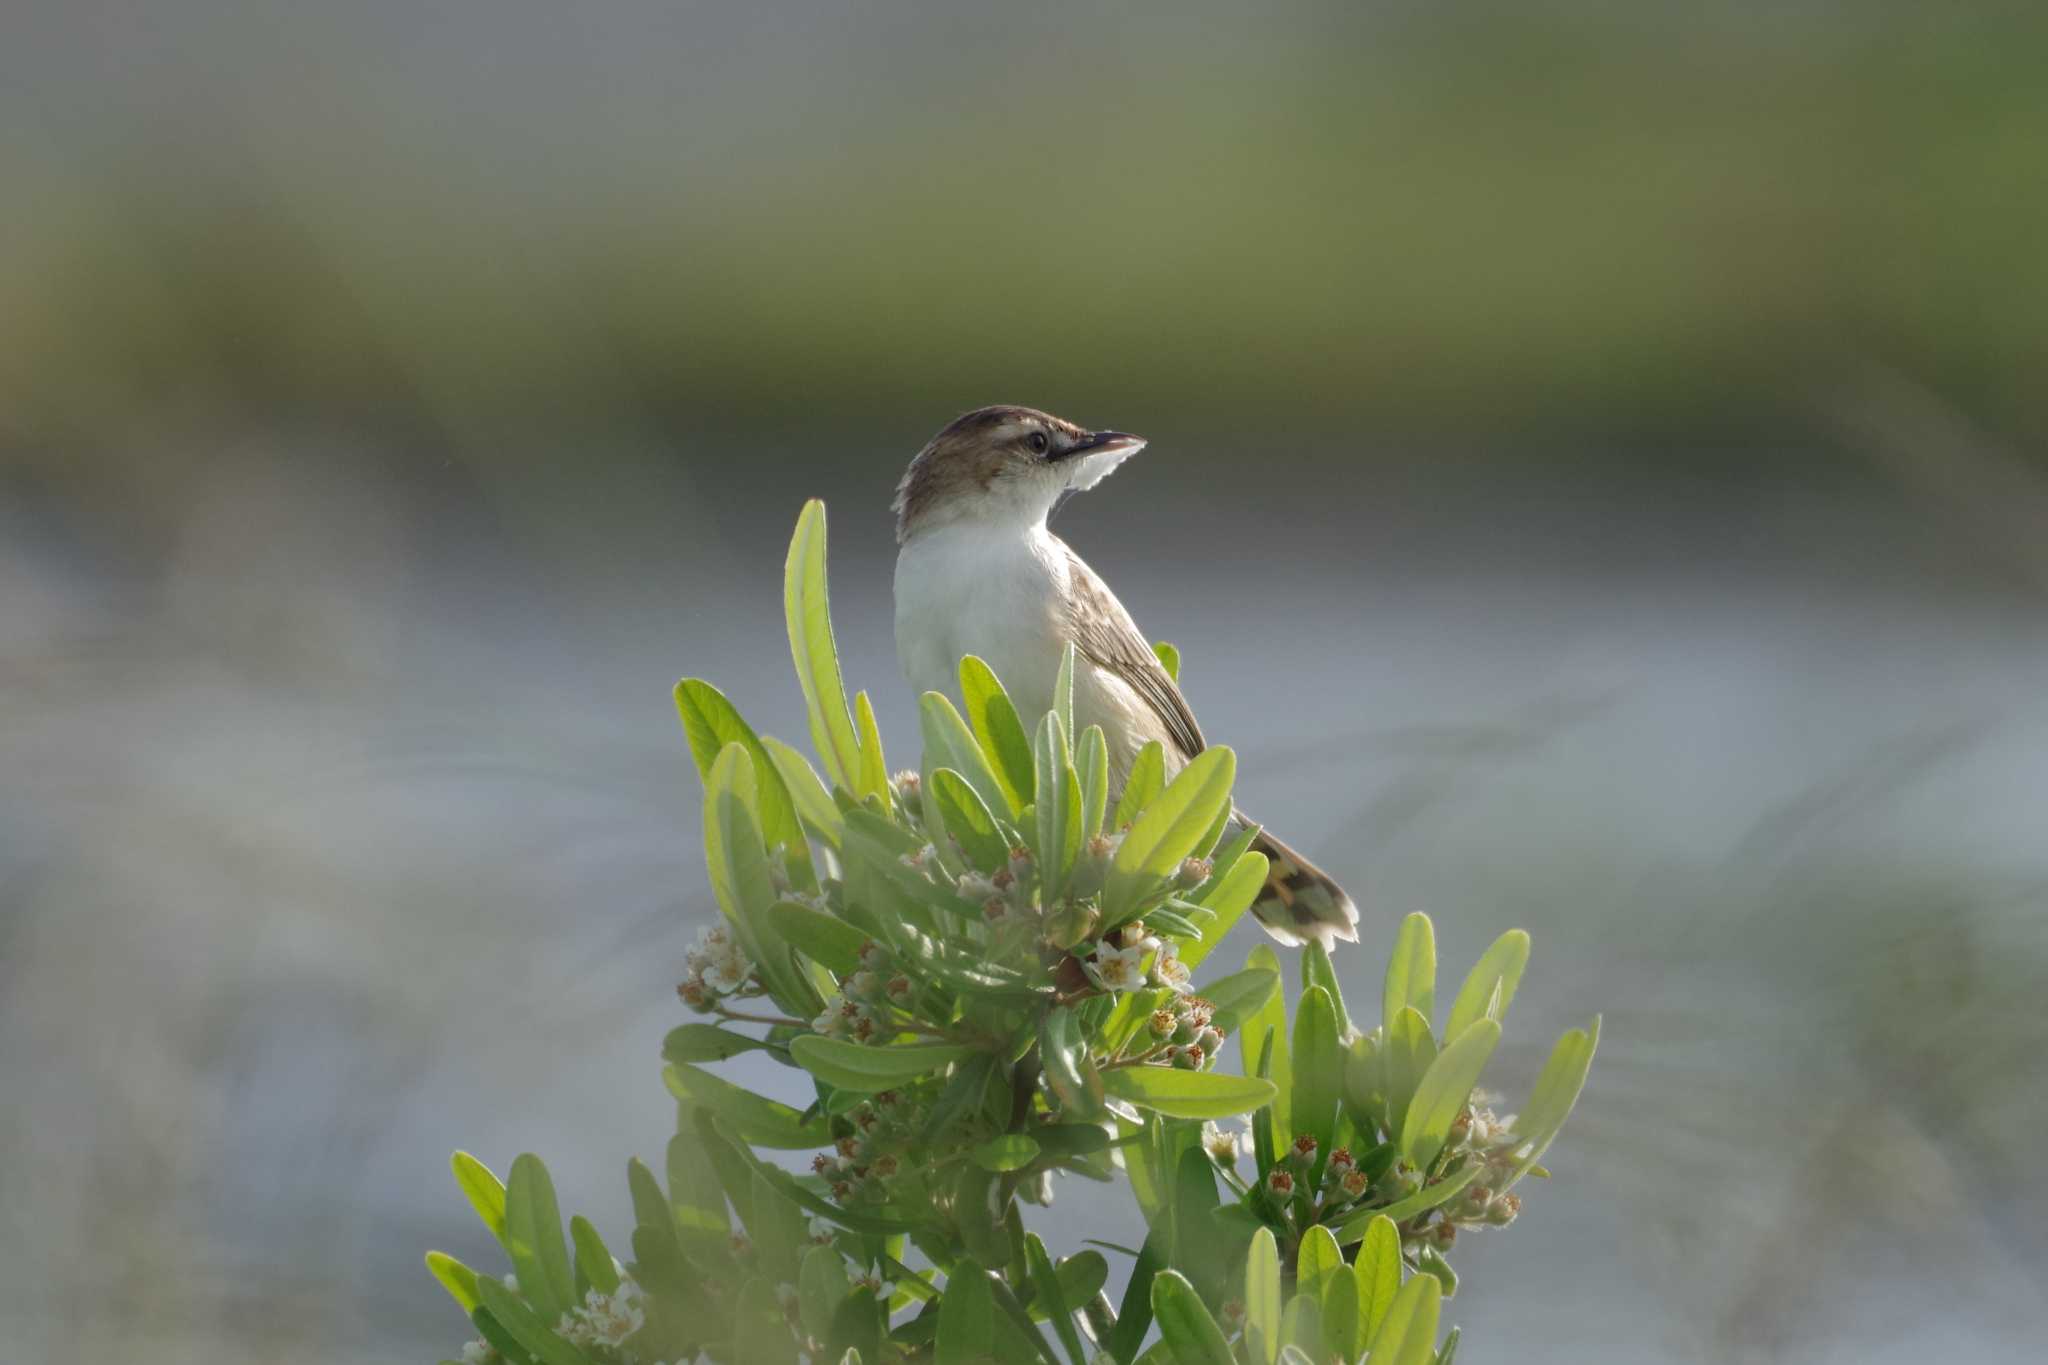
[(1103, 442)]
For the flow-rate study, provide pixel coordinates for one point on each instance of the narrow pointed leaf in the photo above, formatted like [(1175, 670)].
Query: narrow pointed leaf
[(1405, 1056), (1411, 971), (1169, 658), (1146, 780), (486, 1192), (849, 1065), (526, 1326), (1340, 1314), (1228, 900), (1185, 1324), (948, 743), (968, 820), (759, 1120), (1058, 808), (1557, 1091), (1317, 971), (1490, 986), (533, 1238), (705, 1043), (455, 1277), (1270, 1022), (999, 731), (1443, 1091), (1262, 1297), (1007, 1152), (967, 1313), (815, 809), (1171, 826), (873, 778), (1241, 995), (593, 1258), (1063, 693), (808, 607), (1091, 766), (711, 722), (1049, 1296), (1318, 1060)]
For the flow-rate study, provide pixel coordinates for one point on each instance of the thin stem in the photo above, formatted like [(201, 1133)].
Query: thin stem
[(741, 1016)]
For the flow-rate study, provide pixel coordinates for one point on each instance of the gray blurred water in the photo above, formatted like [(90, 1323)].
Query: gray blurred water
[(347, 823)]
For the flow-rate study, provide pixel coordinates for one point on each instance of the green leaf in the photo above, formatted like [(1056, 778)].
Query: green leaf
[(1499, 969), (968, 819), (1270, 1022), (1557, 1091), (524, 1325), (1317, 971), (455, 1277), (823, 938), (873, 778), (821, 1286), (1301, 1325), (1007, 1152), (533, 1239), (705, 1043), (593, 1259), (1443, 1091), (1134, 1314), (1069, 1069), (1318, 1071), (1146, 780), (486, 1193), (1045, 1287), (1241, 995), (1187, 1094), (1340, 1313), (1319, 1261), (1091, 766), (1185, 1325), (1001, 734), (1082, 1276), (1228, 899), (1430, 1261), (815, 809), (1169, 658), (699, 1173), (1411, 972), (1059, 808), (738, 866), (1378, 1272), (808, 607), (856, 1329), (1408, 1335), (948, 743), (859, 1066), (711, 722), (1449, 1351), (757, 1119), (1422, 1201), (1262, 1297), (967, 1313), (1170, 828), (1405, 1057)]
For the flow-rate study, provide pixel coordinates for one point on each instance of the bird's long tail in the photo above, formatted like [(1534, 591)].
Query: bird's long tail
[(1300, 901)]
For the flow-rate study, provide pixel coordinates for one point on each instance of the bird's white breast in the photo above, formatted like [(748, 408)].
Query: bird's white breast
[(989, 590)]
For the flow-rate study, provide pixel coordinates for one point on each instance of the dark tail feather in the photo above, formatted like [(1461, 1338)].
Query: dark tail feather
[(1300, 901)]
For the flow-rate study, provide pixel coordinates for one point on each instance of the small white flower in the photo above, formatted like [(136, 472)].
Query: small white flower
[(821, 1232), (728, 972), (1224, 1145), (1169, 971), (1118, 969), (479, 1353)]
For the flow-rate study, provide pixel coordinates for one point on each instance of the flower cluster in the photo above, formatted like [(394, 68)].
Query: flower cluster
[(716, 968), (862, 1008), (1185, 1032), (864, 1162), (605, 1319), (1134, 959)]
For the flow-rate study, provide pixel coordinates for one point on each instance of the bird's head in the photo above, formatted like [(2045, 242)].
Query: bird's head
[(1004, 464)]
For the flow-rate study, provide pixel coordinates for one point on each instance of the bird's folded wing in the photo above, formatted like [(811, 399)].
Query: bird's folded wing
[(1105, 635)]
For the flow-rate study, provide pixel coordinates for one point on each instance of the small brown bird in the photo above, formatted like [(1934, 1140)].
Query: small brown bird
[(977, 572)]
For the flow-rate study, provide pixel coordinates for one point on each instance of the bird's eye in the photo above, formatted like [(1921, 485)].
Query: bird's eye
[(1037, 441)]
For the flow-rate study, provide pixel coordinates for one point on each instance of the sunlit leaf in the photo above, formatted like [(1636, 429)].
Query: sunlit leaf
[(1241, 995), (815, 809), (705, 1043), (486, 1193), (1228, 899), (1091, 767), (1378, 1272), (1318, 1260), (1169, 829), (1340, 1313), (455, 1277), (1444, 1090), (1051, 1297), (968, 819), (999, 731), (1262, 1297), (1268, 1028), (948, 743), (1408, 1334), (1058, 808), (1185, 1324), (808, 607), (1499, 969), (1146, 780), (1317, 971), (1318, 1061), (873, 777), (1411, 971), (1169, 658), (711, 722), (821, 1286), (1557, 1091), (1063, 693), (1187, 1094), (1405, 1055)]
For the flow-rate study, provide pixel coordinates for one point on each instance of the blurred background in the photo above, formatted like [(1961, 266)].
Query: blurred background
[(1597, 480)]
